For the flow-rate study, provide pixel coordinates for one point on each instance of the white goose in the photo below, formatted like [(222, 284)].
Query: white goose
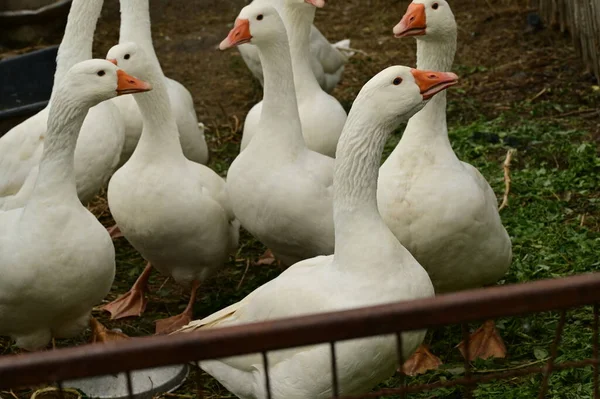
[(175, 212), (135, 27), (100, 142), (327, 59), (321, 115), (280, 190), (56, 259), (369, 266), (441, 209)]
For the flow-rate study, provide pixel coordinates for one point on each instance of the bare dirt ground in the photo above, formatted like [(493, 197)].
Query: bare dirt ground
[(499, 61)]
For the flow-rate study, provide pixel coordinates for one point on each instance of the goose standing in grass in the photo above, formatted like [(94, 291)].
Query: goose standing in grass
[(441, 209), (101, 140), (280, 190), (321, 115), (327, 59), (135, 27), (369, 267), (56, 259), (175, 212)]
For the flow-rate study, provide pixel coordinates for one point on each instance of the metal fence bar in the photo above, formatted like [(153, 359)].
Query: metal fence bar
[(129, 385), (553, 353), (334, 375), (267, 377), (199, 382), (61, 392), (467, 356), (402, 375), (476, 379), (595, 345), (475, 305)]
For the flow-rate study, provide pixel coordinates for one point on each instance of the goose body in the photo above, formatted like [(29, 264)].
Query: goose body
[(327, 59), (280, 190), (175, 212), (321, 115), (369, 266), (312, 286), (56, 260), (102, 135), (440, 208), (135, 27)]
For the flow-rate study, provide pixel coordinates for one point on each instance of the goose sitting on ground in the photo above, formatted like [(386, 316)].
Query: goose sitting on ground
[(441, 209), (56, 259), (327, 59), (280, 190), (321, 115), (175, 212), (369, 266), (101, 140)]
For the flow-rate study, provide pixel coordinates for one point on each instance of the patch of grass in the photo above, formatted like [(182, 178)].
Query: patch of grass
[(553, 222)]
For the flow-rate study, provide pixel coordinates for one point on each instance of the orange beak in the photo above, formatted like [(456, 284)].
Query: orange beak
[(129, 85), (240, 34), (413, 23), (316, 3), (114, 61), (431, 83)]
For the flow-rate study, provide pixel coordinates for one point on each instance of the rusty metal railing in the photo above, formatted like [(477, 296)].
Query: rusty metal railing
[(329, 328)]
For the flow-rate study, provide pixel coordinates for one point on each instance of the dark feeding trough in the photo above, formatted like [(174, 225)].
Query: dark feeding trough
[(25, 85), (26, 76), (26, 22)]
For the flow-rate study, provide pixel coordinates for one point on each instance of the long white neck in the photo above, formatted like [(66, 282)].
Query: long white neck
[(280, 108), (429, 125), (76, 45), (355, 182), (136, 27), (160, 137), (298, 20), (56, 177)]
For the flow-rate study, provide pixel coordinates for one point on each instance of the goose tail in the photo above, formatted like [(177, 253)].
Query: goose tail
[(210, 321)]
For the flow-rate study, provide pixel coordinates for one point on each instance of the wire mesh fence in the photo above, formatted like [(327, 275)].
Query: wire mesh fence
[(57, 366)]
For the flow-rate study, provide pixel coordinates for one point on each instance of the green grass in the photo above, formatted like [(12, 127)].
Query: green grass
[(555, 180)]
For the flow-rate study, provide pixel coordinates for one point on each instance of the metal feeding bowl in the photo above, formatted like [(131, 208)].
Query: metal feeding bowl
[(25, 22), (145, 384)]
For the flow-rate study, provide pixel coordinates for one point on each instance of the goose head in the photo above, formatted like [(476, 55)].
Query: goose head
[(257, 24), (427, 19), (93, 81), (399, 92), (130, 57)]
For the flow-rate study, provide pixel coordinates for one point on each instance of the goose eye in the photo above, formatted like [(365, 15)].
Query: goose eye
[(101, 73), (397, 81), (127, 56), (435, 6), (260, 17)]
